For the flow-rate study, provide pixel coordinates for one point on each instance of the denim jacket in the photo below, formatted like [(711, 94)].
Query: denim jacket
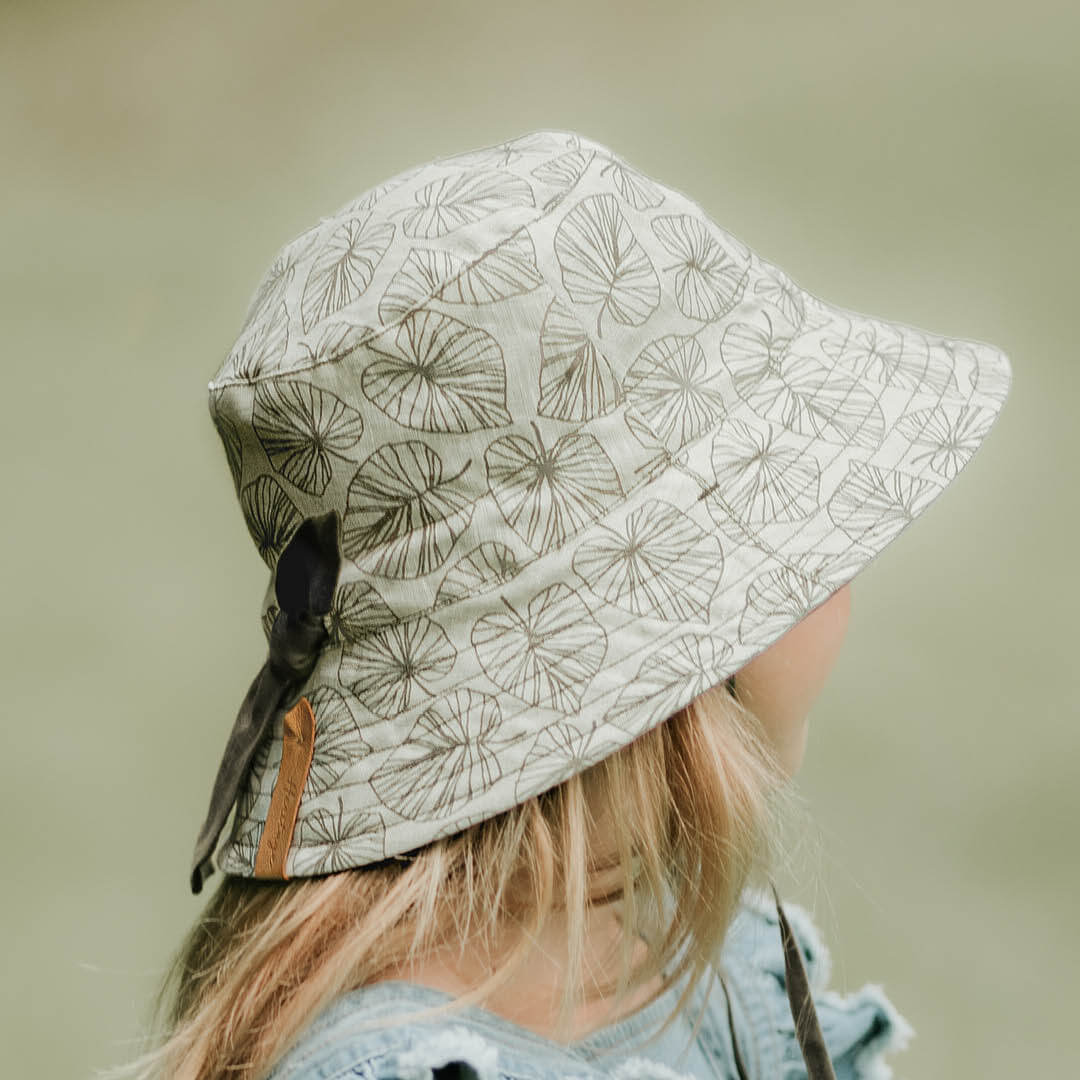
[(476, 1044)]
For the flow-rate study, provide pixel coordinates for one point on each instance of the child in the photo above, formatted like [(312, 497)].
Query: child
[(562, 488)]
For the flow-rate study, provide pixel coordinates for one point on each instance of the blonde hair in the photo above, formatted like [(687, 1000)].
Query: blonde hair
[(684, 816)]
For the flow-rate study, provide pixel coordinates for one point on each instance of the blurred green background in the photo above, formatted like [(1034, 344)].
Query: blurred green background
[(916, 161)]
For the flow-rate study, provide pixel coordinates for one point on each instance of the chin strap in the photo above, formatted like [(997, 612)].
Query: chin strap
[(807, 1028)]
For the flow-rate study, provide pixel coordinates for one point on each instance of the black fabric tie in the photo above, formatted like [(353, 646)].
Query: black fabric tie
[(304, 584)]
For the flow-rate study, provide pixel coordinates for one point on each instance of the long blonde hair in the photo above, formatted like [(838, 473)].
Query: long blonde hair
[(684, 817)]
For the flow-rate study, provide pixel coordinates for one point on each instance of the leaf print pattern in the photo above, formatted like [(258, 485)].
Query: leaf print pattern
[(668, 384), (661, 563), (799, 392), (949, 436), (338, 742), (883, 354), (764, 477), (708, 279), (402, 515), (420, 276), (333, 339), (454, 201), (576, 380), (776, 601), (558, 751), (670, 677), (548, 654), (636, 188), (781, 293), (262, 348), (271, 516), (444, 376), (274, 287), (301, 427), (873, 506), (357, 610), (547, 495), (602, 262), (565, 170), (387, 669), (446, 758), (344, 268), (507, 270), (333, 840), (486, 566)]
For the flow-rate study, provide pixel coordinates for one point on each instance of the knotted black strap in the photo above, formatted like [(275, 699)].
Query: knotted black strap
[(304, 584)]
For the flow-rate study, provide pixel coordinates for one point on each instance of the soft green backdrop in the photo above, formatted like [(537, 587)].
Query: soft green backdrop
[(917, 161)]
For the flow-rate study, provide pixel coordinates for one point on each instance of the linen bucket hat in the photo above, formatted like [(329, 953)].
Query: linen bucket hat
[(536, 452)]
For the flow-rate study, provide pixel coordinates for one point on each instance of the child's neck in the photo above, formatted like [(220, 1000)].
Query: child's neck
[(532, 999)]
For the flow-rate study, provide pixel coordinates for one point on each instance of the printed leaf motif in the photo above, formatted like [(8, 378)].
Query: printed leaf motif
[(333, 339), (576, 380), (343, 269), (661, 563), (546, 656), (763, 477), (777, 289), (271, 516), (547, 495), (300, 428), (507, 270), (662, 458), (402, 515), (329, 840), (444, 376), (261, 348), (239, 857), (883, 354), (338, 742), (636, 188), (949, 436), (558, 751), (447, 204), (565, 170), (708, 278), (419, 277), (777, 600), (873, 505), (273, 288), (445, 760), (486, 566), (369, 199), (357, 611), (388, 668), (669, 678), (669, 386), (602, 262), (798, 391)]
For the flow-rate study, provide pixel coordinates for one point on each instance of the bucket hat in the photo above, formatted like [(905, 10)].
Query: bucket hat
[(536, 452)]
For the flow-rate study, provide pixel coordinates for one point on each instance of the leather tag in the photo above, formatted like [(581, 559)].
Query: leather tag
[(297, 750)]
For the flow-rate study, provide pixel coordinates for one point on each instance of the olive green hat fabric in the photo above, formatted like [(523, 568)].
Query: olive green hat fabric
[(590, 454)]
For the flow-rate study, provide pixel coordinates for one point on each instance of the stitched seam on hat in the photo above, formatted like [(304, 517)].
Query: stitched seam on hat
[(386, 328)]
